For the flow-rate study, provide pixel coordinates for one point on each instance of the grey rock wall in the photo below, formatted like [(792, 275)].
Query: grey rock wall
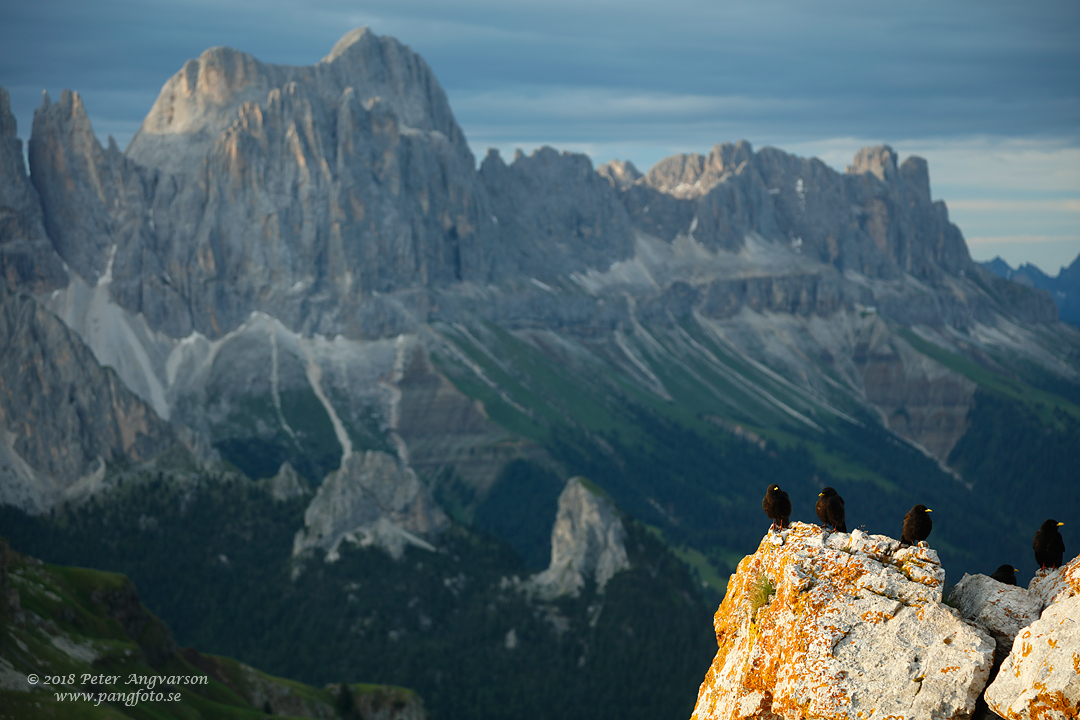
[(371, 500), (27, 259), (553, 214), (587, 543), (62, 416), (300, 192)]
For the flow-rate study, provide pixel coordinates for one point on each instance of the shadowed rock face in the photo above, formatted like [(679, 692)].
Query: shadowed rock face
[(554, 214), (919, 398), (820, 625), (27, 259), (1002, 610), (62, 416)]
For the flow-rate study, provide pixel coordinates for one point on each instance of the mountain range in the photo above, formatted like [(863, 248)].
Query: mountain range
[(1063, 287), (300, 279)]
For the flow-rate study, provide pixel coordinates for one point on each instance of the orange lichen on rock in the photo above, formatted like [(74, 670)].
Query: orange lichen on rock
[(851, 631), (1040, 679)]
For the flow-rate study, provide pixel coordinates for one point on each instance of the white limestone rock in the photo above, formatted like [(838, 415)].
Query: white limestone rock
[(587, 542), (1041, 676), (1058, 584), (817, 627), (1002, 610), (371, 500)]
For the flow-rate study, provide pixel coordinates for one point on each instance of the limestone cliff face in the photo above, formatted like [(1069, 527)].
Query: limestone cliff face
[(439, 427), (62, 416), (587, 543), (27, 259), (841, 626), (99, 214), (292, 191), (371, 500), (877, 219), (1002, 610), (554, 214)]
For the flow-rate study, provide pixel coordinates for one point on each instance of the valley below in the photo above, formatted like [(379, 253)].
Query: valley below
[(348, 406)]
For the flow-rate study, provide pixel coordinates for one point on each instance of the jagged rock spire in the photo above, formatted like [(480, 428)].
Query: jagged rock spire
[(587, 542)]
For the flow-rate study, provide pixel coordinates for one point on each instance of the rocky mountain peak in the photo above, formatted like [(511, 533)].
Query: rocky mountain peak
[(587, 542), (196, 104), (380, 66), (349, 42), (692, 176), (205, 97), (27, 259), (8, 125), (75, 179), (879, 161), (619, 173), (554, 214), (915, 172)]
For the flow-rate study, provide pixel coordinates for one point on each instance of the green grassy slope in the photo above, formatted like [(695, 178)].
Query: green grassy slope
[(91, 647), (676, 464)]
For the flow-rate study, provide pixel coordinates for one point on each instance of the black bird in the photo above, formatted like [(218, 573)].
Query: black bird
[(1006, 574), (917, 525), (777, 505), (1048, 545), (830, 510)]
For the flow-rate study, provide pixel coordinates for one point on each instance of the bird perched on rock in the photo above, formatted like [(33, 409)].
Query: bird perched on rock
[(1048, 545), (830, 510), (917, 525), (1006, 574), (777, 505)]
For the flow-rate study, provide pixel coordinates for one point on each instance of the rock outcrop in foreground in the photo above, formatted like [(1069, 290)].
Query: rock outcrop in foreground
[(819, 625), (1041, 676)]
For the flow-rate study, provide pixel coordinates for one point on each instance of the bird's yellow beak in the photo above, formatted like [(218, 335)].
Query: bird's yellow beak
[(929, 510), (1060, 524), (821, 494), (1016, 569)]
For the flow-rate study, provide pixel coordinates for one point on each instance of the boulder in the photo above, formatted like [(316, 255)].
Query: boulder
[(1041, 676), (841, 626), (1002, 610), (1057, 584)]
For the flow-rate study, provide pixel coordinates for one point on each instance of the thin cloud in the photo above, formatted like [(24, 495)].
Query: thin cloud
[(1014, 206), (1023, 239)]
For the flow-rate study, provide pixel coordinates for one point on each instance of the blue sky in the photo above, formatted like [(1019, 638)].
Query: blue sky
[(988, 92)]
